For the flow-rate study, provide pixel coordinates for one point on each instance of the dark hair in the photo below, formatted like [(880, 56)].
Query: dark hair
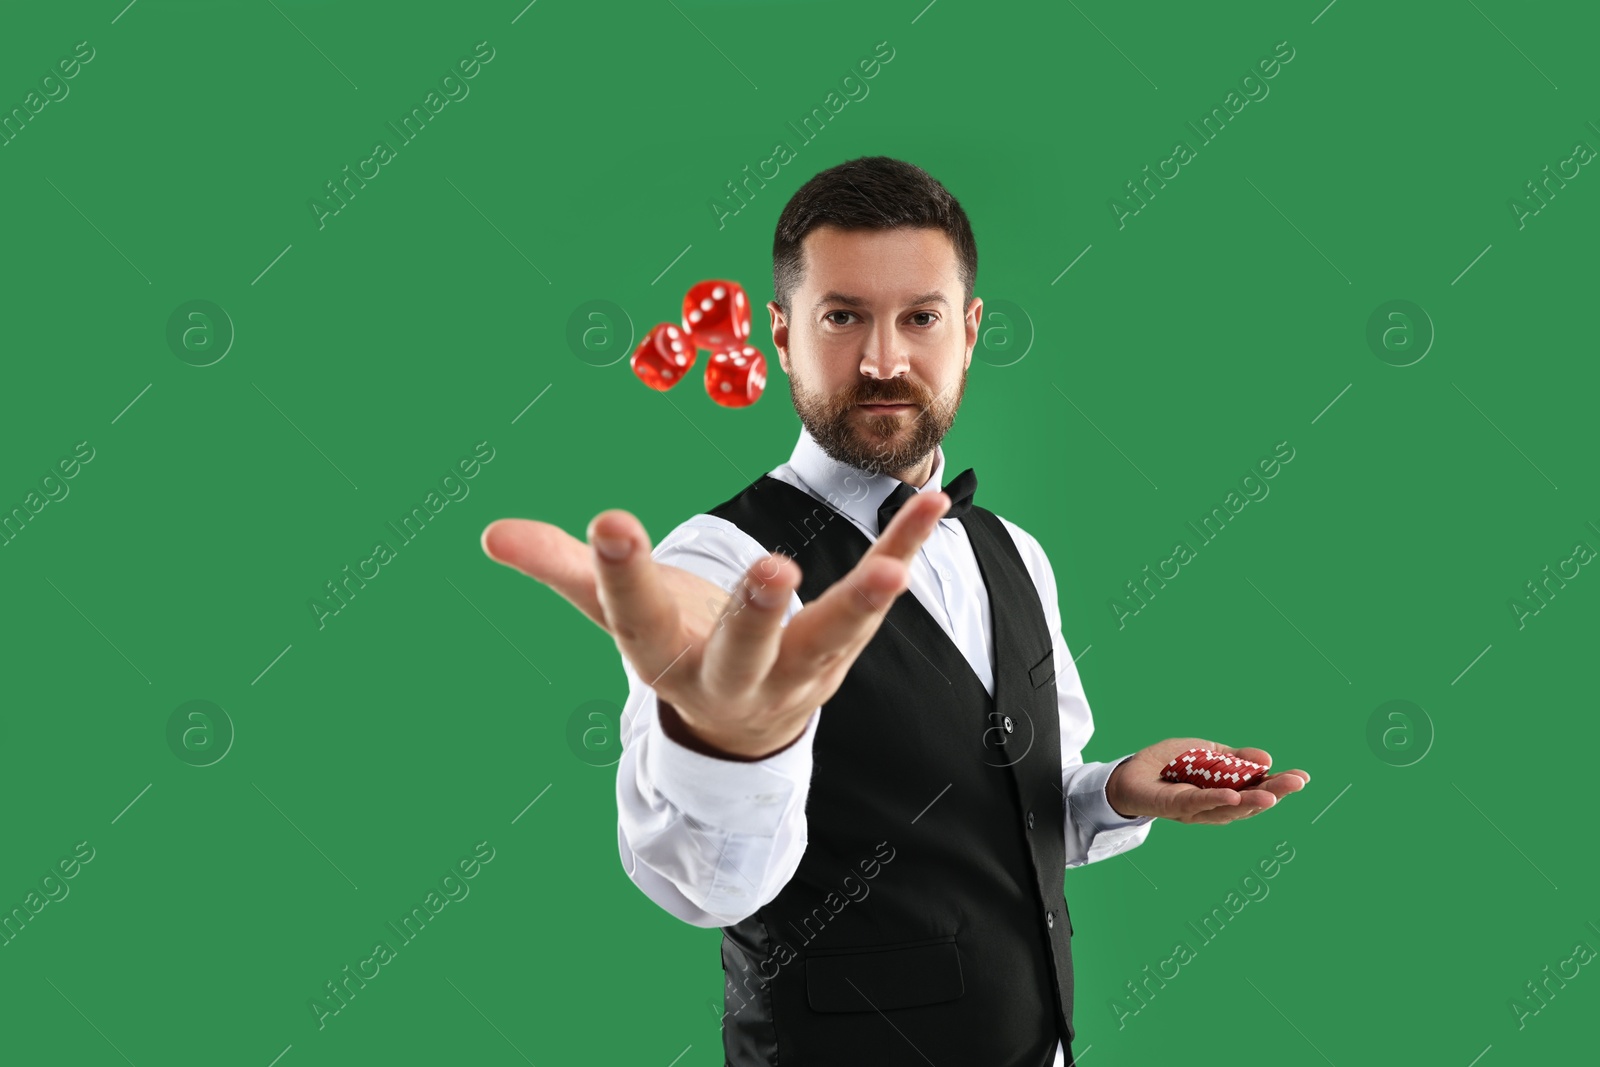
[(870, 193)]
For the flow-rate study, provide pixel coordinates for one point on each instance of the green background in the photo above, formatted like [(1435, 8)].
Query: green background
[(371, 354)]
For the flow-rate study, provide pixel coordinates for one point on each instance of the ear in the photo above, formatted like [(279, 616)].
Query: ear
[(780, 333), (974, 319)]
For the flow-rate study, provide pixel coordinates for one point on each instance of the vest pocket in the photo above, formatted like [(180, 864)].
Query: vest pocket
[(884, 977), (1045, 670)]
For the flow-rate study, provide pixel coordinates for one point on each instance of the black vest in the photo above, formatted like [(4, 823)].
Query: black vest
[(926, 920)]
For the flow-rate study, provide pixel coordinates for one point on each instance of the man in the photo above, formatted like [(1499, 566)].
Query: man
[(878, 816)]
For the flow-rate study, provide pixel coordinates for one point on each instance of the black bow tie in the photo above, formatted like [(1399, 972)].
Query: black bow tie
[(960, 490)]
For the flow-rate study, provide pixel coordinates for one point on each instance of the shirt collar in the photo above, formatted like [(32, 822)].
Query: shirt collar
[(849, 489)]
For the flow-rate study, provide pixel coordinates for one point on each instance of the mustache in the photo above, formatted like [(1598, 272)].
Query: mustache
[(889, 393)]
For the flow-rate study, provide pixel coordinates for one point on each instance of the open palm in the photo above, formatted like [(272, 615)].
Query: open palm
[(1136, 787), (745, 682)]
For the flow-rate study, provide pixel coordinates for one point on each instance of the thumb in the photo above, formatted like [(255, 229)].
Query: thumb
[(547, 554)]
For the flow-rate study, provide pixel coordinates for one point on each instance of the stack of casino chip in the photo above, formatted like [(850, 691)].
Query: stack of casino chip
[(1213, 770)]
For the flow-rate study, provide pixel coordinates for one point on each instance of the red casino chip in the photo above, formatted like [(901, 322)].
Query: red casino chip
[(1213, 770)]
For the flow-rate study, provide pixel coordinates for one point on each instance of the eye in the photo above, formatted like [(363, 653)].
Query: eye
[(931, 315), (829, 317)]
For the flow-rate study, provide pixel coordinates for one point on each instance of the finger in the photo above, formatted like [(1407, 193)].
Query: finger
[(745, 643), (550, 555), (639, 611), (910, 527), (1281, 785), (834, 627), (1259, 798), (839, 623), (1186, 801), (1250, 803)]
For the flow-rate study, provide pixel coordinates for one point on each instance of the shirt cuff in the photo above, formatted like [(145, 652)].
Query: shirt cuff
[(734, 795), (1089, 799)]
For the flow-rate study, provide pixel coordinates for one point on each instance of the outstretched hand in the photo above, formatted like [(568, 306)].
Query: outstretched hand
[(743, 682), (1136, 788)]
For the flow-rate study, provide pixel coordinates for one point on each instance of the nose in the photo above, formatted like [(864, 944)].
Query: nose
[(883, 356)]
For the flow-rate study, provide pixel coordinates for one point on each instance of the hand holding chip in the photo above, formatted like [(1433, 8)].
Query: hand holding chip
[(1191, 780)]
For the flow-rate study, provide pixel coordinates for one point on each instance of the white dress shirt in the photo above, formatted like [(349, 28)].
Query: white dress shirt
[(712, 840)]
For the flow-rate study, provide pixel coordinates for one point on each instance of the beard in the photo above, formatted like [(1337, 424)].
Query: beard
[(887, 443)]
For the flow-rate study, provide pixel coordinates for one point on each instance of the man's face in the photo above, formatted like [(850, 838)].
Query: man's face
[(877, 344)]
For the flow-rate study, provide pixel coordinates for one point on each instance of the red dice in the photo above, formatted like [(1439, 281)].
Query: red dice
[(736, 377), (716, 314), (664, 357)]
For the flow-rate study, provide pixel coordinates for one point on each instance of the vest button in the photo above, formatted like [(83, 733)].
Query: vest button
[(1007, 723), (1050, 919), (1030, 820)]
